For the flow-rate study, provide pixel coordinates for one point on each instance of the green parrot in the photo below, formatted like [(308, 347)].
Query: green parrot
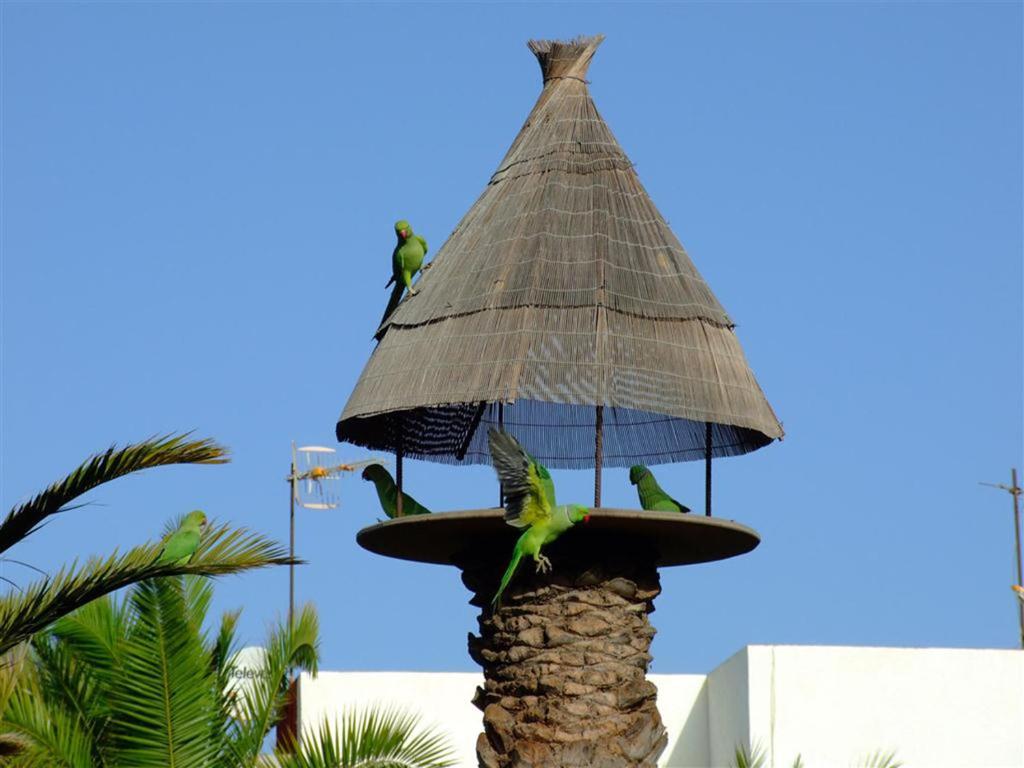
[(182, 543), (529, 503), (387, 492), (651, 495), (406, 260)]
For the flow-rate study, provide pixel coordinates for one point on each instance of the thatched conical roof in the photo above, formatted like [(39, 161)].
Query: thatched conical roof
[(560, 290)]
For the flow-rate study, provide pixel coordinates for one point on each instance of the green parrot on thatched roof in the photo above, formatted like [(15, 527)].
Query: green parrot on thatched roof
[(406, 261)]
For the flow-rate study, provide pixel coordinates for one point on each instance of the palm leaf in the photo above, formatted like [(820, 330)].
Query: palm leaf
[(69, 686), (289, 647), (48, 735), (93, 633), (13, 668), (754, 757), (371, 738), (882, 759), (165, 701), (224, 645), (101, 468), (222, 551)]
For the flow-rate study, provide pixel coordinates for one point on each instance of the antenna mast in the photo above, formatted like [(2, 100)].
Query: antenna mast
[(1015, 490)]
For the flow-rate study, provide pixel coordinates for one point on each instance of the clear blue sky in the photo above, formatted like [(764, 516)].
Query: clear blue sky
[(197, 225)]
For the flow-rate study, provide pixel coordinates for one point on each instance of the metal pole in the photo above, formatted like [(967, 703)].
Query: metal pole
[(399, 450), (707, 468), (598, 454), (291, 540), (501, 428), (1015, 491)]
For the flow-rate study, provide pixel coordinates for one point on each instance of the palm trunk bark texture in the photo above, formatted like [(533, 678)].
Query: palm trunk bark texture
[(565, 661)]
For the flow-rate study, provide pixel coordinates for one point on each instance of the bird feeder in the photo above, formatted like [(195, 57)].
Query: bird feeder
[(563, 310)]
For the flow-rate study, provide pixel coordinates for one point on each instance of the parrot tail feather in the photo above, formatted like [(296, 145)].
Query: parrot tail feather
[(517, 555), (396, 297)]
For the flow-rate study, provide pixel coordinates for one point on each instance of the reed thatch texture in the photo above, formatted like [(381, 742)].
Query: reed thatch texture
[(561, 289)]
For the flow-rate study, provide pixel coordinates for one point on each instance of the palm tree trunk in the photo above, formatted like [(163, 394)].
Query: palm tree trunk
[(565, 661)]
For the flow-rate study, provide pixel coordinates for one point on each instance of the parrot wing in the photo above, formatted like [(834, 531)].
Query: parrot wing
[(423, 243), (682, 507), (546, 482), (526, 502), (179, 547)]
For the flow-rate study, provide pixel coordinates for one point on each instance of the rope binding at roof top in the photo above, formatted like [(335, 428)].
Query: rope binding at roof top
[(560, 300)]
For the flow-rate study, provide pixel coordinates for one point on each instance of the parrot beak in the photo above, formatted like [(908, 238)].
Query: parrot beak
[(586, 519), (402, 233)]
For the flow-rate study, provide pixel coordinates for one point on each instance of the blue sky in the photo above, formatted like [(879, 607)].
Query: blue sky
[(198, 203)]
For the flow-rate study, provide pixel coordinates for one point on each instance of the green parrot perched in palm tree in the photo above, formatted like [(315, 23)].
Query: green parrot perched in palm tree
[(181, 545), (387, 492), (406, 261), (529, 503), (652, 497)]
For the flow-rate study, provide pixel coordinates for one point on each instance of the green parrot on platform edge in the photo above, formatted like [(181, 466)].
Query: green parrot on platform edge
[(387, 492), (652, 497)]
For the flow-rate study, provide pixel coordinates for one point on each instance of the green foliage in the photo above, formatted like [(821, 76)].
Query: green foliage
[(25, 612), (139, 683), (102, 468), (882, 759), (757, 757), (750, 758), (372, 738)]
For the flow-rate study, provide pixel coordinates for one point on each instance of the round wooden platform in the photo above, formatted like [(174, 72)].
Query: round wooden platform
[(460, 538)]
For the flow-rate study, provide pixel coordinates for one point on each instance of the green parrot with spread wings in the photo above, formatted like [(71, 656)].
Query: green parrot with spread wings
[(652, 497), (183, 542), (406, 261), (529, 503)]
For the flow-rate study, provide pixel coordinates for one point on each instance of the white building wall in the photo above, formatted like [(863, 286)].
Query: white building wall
[(728, 709), (834, 706), (683, 703), (936, 707)]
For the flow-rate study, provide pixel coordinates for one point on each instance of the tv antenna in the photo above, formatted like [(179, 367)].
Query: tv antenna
[(1015, 491), (313, 471)]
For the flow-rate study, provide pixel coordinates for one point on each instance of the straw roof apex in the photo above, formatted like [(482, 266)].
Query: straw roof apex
[(565, 58)]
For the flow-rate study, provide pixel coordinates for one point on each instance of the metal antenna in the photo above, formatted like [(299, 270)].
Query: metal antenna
[(1015, 491), (312, 466)]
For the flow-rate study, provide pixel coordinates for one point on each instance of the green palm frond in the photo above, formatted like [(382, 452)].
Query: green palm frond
[(101, 468), (223, 550), (224, 645), (69, 686), (45, 735), (199, 596), (882, 759), (93, 633), (371, 738), (288, 648), (164, 700), (14, 666), (754, 757)]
